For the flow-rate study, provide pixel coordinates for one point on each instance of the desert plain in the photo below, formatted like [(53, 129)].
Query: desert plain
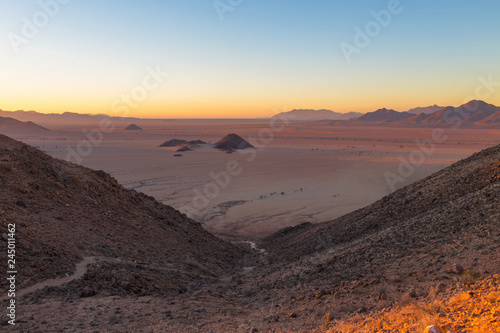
[(298, 171)]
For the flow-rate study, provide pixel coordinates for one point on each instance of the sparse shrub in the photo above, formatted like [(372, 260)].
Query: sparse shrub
[(470, 276)]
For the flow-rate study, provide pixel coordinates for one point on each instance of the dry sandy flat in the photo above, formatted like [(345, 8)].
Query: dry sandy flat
[(303, 173)]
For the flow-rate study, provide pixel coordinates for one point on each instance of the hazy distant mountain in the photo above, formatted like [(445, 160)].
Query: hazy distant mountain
[(50, 117), (66, 117), (426, 110), (313, 115), (10, 125), (133, 127), (473, 113), (383, 116), (493, 119)]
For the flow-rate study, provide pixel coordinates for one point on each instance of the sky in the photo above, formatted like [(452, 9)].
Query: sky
[(245, 58)]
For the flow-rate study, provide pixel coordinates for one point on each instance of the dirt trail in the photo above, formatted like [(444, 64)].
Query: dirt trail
[(80, 269)]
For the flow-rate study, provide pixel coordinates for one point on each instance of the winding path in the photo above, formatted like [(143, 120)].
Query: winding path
[(80, 269)]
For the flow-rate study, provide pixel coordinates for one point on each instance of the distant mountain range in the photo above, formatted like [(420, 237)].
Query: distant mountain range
[(11, 125), (478, 113), (312, 115), (382, 116), (66, 117), (474, 113), (426, 110)]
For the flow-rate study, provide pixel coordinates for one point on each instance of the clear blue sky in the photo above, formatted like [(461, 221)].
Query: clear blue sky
[(265, 55)]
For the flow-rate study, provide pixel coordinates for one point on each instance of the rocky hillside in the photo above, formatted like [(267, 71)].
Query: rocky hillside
[(451, 216), (64, 212), (470, 307), (440, 229)]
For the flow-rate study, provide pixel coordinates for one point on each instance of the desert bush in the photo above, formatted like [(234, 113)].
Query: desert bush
[(470, 276)]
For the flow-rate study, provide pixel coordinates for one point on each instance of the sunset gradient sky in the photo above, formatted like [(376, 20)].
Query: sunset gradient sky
[(263, 58)]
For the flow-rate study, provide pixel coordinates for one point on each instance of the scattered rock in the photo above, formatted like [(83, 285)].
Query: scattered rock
[(432, 329)]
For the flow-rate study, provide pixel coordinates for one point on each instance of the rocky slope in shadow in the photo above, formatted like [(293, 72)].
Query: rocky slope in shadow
[(64, 212)]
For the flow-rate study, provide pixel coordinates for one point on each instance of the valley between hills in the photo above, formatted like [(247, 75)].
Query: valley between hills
[(309, 236)]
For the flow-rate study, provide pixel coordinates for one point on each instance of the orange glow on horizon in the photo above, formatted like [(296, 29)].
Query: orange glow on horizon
[(234, 109)]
